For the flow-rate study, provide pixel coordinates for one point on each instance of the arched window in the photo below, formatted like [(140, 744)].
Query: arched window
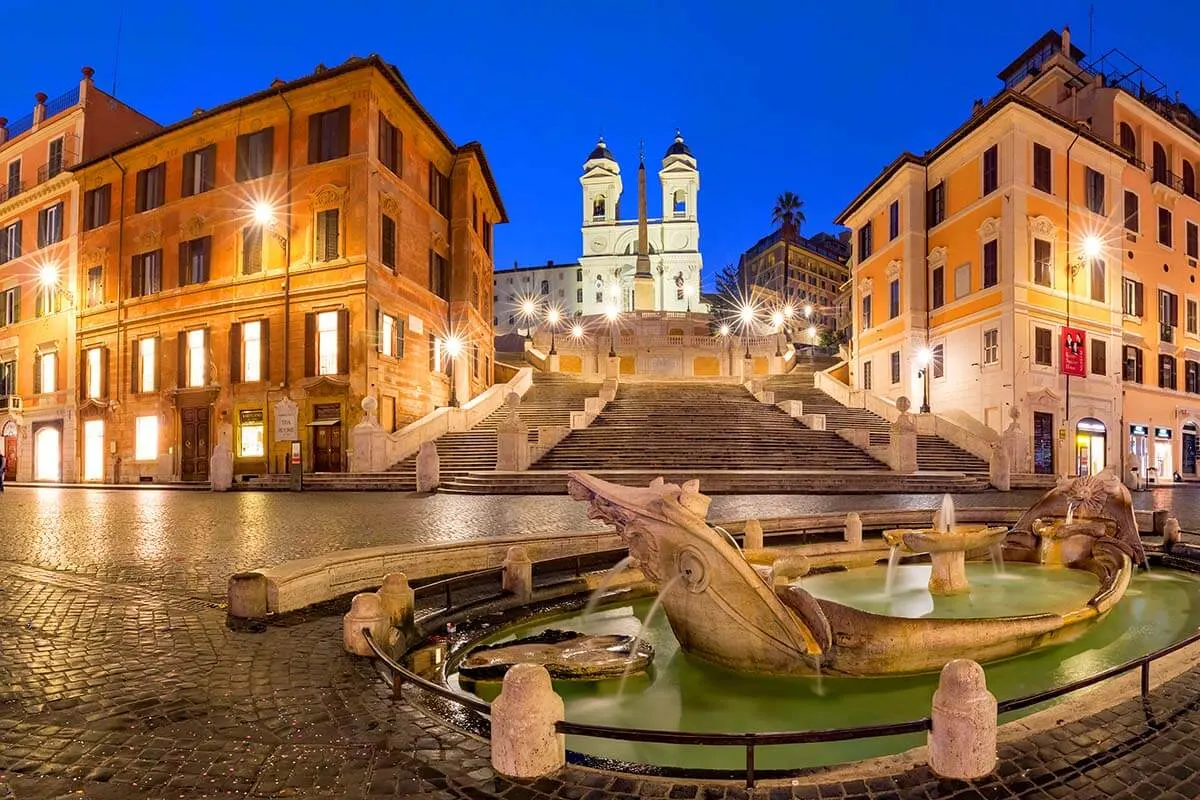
[(1128, 140), (1160, 163), (1189, 179), (598, 208), (680, 202)]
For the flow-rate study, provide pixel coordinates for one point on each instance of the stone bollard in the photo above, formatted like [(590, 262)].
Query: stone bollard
[(396, 600), (999, 469), (1171, 533), (854, 529), (518, 573), (429, 467), (962, 743), (365, 612), (524, 742), (248, 595), (752, 538), (1159, 515)]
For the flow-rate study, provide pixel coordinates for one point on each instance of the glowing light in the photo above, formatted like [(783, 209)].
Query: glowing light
[(614, 290), (263, 213), (553, 316), (746, 314), (48, 275), (528, 307), (788, 311), (725, 329), (808, 311), (777, 319), (812, 332), (1091, 246), (611, 312), (576, 331), (453, 345), (924, 356)]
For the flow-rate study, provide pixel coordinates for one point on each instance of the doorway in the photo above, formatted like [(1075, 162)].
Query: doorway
[(9, 434), (1043, 443), (47, 453), (1091, 440), (193, 443), (327, 437), (93, 450), (1190, 431), (1163, 461)]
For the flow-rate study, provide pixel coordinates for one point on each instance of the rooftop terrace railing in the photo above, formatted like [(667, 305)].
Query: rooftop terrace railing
[(749, 741)]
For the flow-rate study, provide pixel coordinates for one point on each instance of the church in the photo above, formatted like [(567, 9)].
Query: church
[(632, 264)]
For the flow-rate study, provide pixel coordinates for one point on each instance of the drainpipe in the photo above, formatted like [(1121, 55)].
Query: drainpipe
[(925, 404), (287, 249), (120, 206), (1070, 279)]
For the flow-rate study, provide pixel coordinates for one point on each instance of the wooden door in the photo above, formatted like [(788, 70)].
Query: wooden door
[(10, 458), (1043, 443), (193, 444), (327, 448)]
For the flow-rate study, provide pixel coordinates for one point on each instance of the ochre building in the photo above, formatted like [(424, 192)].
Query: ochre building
[(1043, 258), (251, 273)]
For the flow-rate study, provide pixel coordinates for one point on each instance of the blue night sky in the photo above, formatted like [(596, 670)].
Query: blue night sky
[(814, 97)]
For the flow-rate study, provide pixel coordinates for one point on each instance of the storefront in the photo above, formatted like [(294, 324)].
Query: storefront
[(1163, 461), (47, 451), (8, 438), (1139, 448), (1188, 451), (93, 449), (1091, 442)]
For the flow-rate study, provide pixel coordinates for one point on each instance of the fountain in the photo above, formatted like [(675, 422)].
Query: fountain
[(947, 545), (723, 611)]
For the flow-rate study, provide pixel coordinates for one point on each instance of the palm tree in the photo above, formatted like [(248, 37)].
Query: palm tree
[(788, 213)]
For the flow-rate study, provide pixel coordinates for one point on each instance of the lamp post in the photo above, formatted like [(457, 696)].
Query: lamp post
[(552, 318), (924, 361), (453, 347), (777, 323), (50, 278), (529, 310), (612, 314), (688, 291), (746, 315)]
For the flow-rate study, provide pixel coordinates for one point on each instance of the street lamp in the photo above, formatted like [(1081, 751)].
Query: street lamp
[(746, 315), (924, 361), (688, 291), (453, 347), (577, 332), (49, 277), (552, 317), (612, 314), (777, 322), (529, 309)]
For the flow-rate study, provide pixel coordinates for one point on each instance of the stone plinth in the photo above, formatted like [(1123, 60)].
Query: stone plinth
[(552, 363), (429, 467), (524, 742), (999, 471), (366, 611), (962, 744), (902, 443), (1171, 533), (248, 595), (512, 449), (949, 573), (753, 535), (396, 600), (853, 530), (612, 368), (220, 467), (793, 408), (518, 573), (816, 422)]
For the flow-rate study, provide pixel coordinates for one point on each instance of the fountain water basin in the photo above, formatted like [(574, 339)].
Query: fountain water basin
[(947, 550)]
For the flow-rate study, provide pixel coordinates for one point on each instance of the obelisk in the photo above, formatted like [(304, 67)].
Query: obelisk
[(643, 280)]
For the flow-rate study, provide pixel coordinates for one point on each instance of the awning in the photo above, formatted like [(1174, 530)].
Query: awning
[(324, 423)]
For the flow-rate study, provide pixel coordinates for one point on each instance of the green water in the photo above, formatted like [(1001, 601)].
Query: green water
[(686, 694)]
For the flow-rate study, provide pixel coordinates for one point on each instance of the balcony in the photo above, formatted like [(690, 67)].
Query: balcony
[(1166, 334), (10, 402), (1168, 179), (59, 163), (11, 190)]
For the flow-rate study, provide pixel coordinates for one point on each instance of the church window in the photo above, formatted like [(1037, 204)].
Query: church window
[(680, 202), (598, 207)]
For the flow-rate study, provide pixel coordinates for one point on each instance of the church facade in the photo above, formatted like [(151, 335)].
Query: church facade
[(609, 266)]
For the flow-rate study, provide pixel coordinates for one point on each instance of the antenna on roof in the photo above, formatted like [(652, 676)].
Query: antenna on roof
[(1091, 24), (117, 51)]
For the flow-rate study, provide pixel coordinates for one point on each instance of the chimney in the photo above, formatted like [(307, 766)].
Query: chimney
[(1066, 41), (320, 68), (3, 130), (197, 111), (39, 109), (550, 262), (85, 85), (275, 84), (976, 107)]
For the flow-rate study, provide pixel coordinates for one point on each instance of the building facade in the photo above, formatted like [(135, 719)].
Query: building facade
[(1043, 258), (251, 273), (554, 285), (804, 273), (39, 292)]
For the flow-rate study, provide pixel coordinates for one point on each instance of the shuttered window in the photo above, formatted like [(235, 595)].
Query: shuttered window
[(199, 171), (151, 188), (97, 205), (390, 146), (252, 249), (255, 154), (327, 343), (327, 229), (329, 135), (387, 241), (194, 259)]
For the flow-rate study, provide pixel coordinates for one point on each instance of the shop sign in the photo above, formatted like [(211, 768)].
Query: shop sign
[(1138, 430), (1162, 433)]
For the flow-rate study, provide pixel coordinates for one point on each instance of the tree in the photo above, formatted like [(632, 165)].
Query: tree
[(788, 214), (729, 295)]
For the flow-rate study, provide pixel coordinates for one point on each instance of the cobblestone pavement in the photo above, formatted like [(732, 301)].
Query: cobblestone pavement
[(120, 679)]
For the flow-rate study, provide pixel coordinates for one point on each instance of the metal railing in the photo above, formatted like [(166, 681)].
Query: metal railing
[(11, 190), (749, 741), (56, 166)]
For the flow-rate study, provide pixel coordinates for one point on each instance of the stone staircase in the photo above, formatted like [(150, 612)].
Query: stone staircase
[(549, 401), (699, 427), (933, 453)]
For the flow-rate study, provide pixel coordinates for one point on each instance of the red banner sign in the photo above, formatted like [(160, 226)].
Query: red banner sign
[(1074, 352)]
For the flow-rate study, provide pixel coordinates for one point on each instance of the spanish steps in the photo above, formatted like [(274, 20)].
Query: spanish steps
[(933, 453)]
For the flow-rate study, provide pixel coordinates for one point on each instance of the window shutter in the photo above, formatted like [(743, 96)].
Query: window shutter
[(319, 244), (314, 138), (344, 342), (205, 355), (378, 330), (134, 372), (210, 166), (331, 234), (104, 372), (159, 359), (399, 147), (140, 203), (268, 150), (343, 131), (310, 345), (16, 252), (37, 373), (399, 337), (16, 292), (58, 223), (135, 282), (41, 228), (242, 169), (1174, 311), (235, 353), (189, 173), (264, 333), (1138, 298), (185, 252), (181, 363)]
